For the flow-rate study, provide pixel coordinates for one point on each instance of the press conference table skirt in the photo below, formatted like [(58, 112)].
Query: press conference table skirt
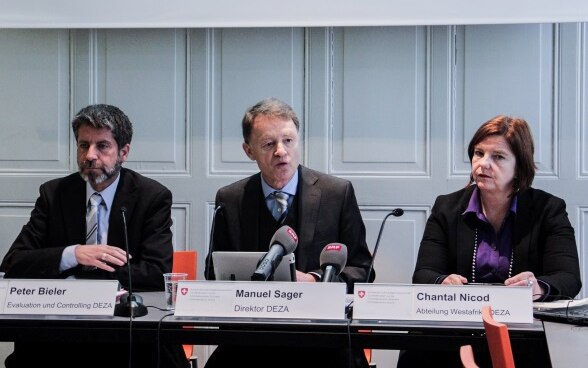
[(160, 325)]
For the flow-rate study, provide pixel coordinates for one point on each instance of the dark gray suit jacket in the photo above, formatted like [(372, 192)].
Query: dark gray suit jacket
[(327, 213), (58, 220), (543, 240)]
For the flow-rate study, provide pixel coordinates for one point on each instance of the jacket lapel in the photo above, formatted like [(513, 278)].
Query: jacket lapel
[(73, 202), (465, 236), (309, 199), (520, 240), (126, 196), (250, 218)]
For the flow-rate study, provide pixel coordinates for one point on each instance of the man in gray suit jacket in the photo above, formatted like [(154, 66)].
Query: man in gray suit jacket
[(54, 243), (321, 209)]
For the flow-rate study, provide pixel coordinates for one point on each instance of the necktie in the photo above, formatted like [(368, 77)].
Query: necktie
[(281, 209), (92, 219)]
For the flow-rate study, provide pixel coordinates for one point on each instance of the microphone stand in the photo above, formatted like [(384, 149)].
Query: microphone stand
[(293, 268), (130, 305), (397, 212)]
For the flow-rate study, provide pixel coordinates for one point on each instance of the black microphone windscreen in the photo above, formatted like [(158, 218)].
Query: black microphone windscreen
[(286, 237), (334, 254), (397, 212)]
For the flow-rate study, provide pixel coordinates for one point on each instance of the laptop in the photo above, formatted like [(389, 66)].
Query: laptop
[(239, 266), (572, 312)]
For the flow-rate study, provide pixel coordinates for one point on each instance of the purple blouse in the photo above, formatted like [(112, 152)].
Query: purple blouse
[(494, 249)]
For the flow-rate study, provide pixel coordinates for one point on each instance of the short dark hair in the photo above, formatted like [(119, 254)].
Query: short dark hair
[(105, 116), (268, 107), (517, 134)]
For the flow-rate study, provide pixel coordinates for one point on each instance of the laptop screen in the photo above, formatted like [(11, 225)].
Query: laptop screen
[(239, 266)]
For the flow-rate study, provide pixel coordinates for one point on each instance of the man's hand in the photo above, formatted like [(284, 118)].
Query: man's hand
[(304, 277), (101, 256)]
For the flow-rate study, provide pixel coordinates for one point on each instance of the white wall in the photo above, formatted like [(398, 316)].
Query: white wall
[(268, 13)]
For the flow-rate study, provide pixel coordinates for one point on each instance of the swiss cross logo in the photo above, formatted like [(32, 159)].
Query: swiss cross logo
[(292, 234), (334, 247), (361, 293), (184, 291)]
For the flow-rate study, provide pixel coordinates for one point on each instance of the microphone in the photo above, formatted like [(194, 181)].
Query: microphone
[(397, 212), (130, 305), (211, 242), (283, 242), (333, 259)]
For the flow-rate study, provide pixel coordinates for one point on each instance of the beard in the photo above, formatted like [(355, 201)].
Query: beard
[(106, 174)]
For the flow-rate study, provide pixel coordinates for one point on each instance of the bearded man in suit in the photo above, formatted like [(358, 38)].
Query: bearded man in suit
[(56, 242), (321, 209)]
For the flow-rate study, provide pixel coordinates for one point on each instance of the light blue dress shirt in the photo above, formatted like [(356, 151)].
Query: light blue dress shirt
[(68, 258), (289, 188)]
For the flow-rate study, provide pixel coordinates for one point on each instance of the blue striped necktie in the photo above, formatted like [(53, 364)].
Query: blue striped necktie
[(282, 206), (92, 219)]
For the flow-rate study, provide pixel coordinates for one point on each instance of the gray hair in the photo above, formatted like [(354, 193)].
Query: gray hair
[(105, 116), (268, 107)]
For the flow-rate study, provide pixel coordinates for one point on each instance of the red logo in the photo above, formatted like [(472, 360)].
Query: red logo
[(184, 291), (361, 293), (334, 247), (293, 234)]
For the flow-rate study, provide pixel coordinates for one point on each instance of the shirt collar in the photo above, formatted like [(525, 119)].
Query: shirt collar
[(289, 188), (107, 194), (474, 205)]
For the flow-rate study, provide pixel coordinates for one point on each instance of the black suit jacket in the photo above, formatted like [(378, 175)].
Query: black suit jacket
[(58, 220), (327, 213), (543, 241)]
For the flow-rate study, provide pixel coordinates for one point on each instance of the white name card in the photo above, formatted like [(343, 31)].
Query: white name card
[(459, 303), (58, 297), (251, 299)]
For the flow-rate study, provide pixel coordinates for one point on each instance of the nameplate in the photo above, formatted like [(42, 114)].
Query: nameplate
[(251, 299), (58, 297), (458, 303)]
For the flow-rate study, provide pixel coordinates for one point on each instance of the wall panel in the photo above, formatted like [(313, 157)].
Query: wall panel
[(396, 253), (144, 73), (12, 218), (379, 125), (507, 70), (34, 101), (249, 65)]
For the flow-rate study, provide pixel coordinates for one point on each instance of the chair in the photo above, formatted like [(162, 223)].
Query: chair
[(498, 340), (467, 357), (186, 261), (368, 356), (368, 352)]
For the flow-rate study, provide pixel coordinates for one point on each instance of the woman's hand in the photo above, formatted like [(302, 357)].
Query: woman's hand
[(454, 279), (526, 278)]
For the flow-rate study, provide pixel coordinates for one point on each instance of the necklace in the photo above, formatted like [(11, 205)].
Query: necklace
[(476, 252)]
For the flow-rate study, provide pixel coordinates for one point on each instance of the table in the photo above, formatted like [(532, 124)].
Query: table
[(567, 344), (261, 332)]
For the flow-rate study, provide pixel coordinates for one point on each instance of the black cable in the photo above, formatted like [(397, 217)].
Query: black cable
[(158, 336), (573, 319), (349, 349)]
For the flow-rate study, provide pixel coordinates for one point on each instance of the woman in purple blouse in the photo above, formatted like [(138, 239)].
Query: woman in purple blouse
[(498, 229)]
